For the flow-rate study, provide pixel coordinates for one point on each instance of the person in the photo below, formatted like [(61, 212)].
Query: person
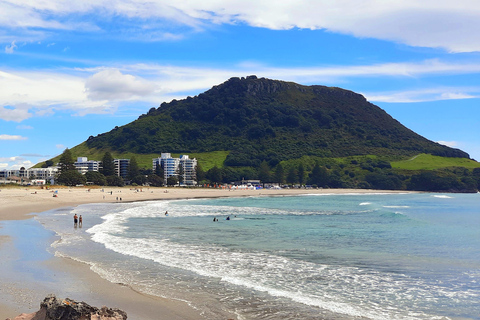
[(166, 213), (228, 218), (75, 220), (214, 219), (80, 221)]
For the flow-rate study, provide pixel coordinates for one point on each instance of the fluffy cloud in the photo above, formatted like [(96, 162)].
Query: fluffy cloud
[(428, 23), (11, 137), (14, 163), (111, 84), (10, 48), (26, 94)]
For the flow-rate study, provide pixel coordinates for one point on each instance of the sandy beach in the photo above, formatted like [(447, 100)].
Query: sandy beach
[(28, 273)]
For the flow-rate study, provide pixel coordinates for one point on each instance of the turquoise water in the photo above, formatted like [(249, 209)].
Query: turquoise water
[(379, 256)]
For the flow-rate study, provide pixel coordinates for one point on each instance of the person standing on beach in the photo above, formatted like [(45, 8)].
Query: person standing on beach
[(75, 220), (80, 221)]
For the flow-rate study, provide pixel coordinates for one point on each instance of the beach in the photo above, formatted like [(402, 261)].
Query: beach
[(29, 273)]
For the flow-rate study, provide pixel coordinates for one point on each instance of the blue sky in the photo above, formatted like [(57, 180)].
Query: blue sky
[(70, 70)]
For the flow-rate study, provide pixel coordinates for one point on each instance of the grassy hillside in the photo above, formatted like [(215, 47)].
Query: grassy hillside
[(207, 160), (429, 162)]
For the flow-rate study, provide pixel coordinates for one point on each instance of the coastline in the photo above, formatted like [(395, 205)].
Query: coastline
[(63, 276)]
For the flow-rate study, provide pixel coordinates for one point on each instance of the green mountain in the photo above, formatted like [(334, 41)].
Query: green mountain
[(255, 120)]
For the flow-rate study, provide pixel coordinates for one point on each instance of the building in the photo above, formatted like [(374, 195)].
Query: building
[(83, 165), (183, 166), (121, 167), (189, 170), (23, 175)]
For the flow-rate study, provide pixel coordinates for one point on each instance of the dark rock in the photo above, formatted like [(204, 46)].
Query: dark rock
[(53, 309)]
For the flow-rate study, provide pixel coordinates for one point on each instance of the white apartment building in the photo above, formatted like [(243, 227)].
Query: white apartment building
[(171, 167), (25, 175), (83, 165)]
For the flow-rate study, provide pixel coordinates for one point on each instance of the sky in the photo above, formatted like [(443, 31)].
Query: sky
[(74, 69)]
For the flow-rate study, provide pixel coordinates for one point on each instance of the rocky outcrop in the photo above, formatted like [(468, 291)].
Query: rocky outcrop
[(67, 309)]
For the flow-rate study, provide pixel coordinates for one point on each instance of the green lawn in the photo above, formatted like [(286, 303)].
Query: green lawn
[(428, 162)]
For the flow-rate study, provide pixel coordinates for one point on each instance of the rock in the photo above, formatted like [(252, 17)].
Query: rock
[(53, 309)]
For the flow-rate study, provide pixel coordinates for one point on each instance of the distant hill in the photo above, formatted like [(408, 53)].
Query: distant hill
[(256, 120)]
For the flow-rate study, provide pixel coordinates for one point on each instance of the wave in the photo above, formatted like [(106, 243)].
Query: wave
[(365, 203), (442, 196)]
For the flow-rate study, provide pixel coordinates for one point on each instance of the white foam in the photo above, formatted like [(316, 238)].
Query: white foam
[(365, 203), (442, 196)]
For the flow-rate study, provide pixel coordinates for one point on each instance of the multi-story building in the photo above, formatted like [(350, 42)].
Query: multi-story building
[(83, 165), (175, 166), (189, 170), (25, 175), (121, 167)]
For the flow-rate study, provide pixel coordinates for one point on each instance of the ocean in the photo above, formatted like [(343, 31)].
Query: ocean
[(329, 256)]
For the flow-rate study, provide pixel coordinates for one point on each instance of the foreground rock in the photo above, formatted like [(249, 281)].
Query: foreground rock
[(53, 309)]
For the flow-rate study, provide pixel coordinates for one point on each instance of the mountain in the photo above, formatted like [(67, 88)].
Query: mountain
[(257, 119)]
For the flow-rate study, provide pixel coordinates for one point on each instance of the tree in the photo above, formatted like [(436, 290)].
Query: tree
[(172, 181), (279, 175), (96, 178), (139, 180), (180, 173), (214, 174), (292, 175), (115, 181), (155, 180), (133, 170), (200, 173), (48, 163), (264, 172), (66, 161), (301, 173), (69, 175), (108, 165), (71, 178), (318, 176)]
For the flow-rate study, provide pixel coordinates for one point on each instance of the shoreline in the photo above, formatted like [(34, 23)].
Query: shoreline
[(18, 206)]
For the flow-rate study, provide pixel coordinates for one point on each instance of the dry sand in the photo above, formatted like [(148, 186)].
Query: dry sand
[(25, 294)]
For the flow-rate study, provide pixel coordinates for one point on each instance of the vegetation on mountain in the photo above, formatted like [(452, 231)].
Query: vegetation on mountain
[(283, 132)]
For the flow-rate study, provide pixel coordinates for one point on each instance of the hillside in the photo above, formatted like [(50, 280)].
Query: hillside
[(261, 119)]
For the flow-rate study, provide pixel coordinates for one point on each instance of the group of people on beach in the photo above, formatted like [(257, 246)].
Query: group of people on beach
[(77, 220)]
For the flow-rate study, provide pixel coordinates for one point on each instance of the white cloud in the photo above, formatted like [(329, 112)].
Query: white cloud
[(15, 163), (452, 144), (423, 95), (111, 84), (11, 137), (10, 48), (101, 90), (60, 146), (17, 113), (428, 23)]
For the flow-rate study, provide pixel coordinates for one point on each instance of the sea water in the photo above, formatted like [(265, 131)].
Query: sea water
[(348, 256)]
